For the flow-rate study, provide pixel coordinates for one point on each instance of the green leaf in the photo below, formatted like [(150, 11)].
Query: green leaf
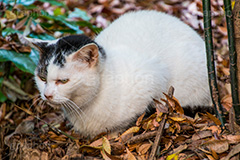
[(43, 36), (78, 13), (60, 18), (22, 61), (3, 98), (57, 12), (23, 2), (54, 3), (89, 25), (9, 31), (34, 56)]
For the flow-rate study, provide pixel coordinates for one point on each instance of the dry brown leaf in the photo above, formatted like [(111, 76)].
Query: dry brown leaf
[(89, 149), (105, 157), (178, 107), (202, 135), (132, 147), (160, 107), (222, 30), (180, 148), (2, 111), (97, 143), (213, 118), (131, 130), (167, 146), (215, 155), (215, 129), (227, 102), (130, 156), (210, 157), (234, 150), (219, 146), (143, 148), (177, 119), (139, 120), (232, 139), (25, 110)]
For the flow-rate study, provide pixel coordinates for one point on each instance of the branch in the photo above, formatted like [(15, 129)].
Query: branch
[(210, 60), (160, 129)]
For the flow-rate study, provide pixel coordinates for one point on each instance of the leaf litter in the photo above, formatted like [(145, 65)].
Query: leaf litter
[(32, 130)]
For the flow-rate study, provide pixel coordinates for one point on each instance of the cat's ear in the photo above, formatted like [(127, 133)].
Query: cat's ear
[(88, 54), (40, 45)]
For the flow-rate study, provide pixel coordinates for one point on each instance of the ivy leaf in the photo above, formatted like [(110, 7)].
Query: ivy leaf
[(9, 31), (23, 2), (22, 61), (62, 19), (43, 36), (78, 13), (54, 3)]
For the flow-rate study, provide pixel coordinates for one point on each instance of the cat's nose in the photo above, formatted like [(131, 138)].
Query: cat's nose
[(48, 96)]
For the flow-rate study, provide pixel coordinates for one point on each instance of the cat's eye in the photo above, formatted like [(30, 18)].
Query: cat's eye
[(62, 81), (43, 78)]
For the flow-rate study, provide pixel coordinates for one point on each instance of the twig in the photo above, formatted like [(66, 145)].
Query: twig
[(49, 125), (141, 137), (160, 129)]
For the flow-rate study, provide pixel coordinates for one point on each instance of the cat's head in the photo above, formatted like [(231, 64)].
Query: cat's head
[(68, 69)]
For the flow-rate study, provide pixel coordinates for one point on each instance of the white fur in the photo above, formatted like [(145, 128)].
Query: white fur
[(146, 53)]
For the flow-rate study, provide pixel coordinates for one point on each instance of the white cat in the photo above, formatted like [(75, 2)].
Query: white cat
[(104, 84)]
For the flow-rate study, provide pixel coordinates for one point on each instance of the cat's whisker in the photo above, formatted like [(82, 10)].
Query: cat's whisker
[(76, 106), (70, 112), (73, 110), (59, 118), (33, 97), (36, 101)]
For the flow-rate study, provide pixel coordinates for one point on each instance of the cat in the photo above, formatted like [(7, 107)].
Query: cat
[(105, 83)]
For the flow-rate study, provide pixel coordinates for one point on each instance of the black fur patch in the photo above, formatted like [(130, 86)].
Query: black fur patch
[(64, 47), (191, 111)]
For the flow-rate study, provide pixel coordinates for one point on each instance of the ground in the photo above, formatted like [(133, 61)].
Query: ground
[(30, 129)]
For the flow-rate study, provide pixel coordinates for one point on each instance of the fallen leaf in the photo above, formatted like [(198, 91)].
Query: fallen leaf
[(131, 130), (219, 146), (213, 118), (180, 148), (97, 143), (210, 157), (232, 139), (10, 15), (178, 119), (106, 145), (215, 129), (130, 156), (234, 150), (202, 135), (143, 148), (172, 157), (139, 120), (105, 157)]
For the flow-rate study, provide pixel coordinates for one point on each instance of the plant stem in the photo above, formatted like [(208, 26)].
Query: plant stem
[(235, 59), (210, 60)]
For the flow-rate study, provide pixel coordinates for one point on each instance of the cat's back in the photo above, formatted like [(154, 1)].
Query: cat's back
[(147, 31), (164, 43)]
